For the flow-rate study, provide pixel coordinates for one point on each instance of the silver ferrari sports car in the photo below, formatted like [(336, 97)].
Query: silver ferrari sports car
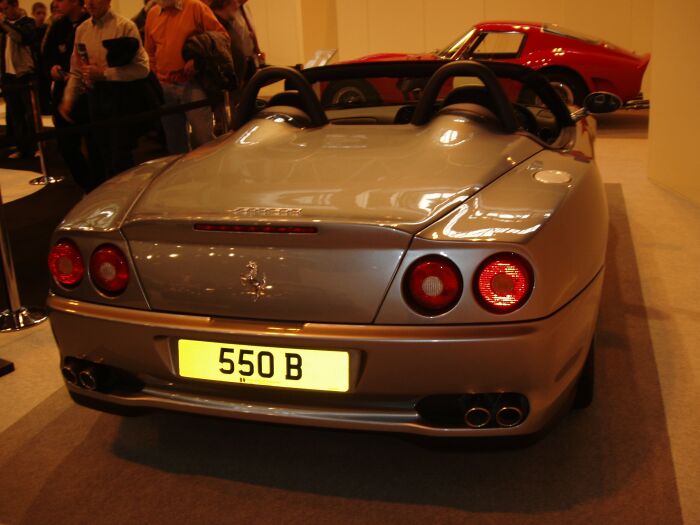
[(429, 261)]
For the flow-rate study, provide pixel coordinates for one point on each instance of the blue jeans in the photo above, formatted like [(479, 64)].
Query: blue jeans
[(177, 135)]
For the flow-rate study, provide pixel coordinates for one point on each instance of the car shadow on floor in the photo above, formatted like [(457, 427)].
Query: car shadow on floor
[(608, 463), (619, 442)]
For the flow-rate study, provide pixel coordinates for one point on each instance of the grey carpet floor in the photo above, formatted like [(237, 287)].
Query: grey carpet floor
[(608, 464)]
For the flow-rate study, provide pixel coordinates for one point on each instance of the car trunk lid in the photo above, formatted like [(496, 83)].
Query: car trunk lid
[(358, 194), (335, 274)]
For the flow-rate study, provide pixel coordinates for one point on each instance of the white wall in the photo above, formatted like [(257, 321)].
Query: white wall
[(673, 160), (278, 24)]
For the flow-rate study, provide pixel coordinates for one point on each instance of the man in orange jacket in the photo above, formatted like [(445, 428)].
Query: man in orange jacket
[(168, 25)]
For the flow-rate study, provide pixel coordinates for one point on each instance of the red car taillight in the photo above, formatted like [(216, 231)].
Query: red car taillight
[(109, 269), (433, 285), (503, 283), (66, 264)]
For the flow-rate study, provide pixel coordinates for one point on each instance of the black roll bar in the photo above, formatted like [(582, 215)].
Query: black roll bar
[(294, 79), (465, 68)]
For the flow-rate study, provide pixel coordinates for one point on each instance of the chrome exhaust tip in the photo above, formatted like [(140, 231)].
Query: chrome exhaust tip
[(69, 373), (88, 378), (509, 416), (477, 417)]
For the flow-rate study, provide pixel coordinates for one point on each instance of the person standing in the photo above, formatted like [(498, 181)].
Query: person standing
[(17, 70), (250, 57), (140, 18), (39, 16), (223, 10), (168, 25), (55, 12), (56, 54), (105, 84), (247, 57)]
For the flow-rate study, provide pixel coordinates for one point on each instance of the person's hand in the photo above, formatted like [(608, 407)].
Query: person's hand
[(2, 16), (190, 69), (64, 109), (57, 72), (92, 73)]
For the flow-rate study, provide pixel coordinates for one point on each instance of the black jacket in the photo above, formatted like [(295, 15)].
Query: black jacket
[(58, 46), (57, 49), (211, 52), (23, 33)]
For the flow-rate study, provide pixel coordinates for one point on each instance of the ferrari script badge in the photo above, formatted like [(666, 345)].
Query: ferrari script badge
[(254, 281)]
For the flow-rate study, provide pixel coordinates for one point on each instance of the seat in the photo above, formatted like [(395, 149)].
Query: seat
[(288, 103), (287, 98), (470, 95)]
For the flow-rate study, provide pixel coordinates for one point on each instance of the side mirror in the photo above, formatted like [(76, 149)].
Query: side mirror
[(602, 102), (596, 103)]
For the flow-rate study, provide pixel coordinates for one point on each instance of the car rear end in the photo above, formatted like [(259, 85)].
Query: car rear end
[(356, 276)]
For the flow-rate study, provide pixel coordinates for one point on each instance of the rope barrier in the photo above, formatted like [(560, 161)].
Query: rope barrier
[(116, 121)]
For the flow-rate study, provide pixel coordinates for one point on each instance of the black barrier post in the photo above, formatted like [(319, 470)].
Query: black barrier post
[(38, 126), (16, 317), (6, 367)]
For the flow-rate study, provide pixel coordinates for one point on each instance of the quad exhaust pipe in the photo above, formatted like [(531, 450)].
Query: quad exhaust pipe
[(88, 378), (477, 417), (84, 374), (494, 410), (70, 373), (98, 377), (509, 416)]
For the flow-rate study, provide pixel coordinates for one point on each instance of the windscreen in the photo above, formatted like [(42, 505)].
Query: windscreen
[(457, 44)]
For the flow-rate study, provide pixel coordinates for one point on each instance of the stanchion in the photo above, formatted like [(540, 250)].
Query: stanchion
[(6, 367), (16, 317), (227, 110), (38, 126)]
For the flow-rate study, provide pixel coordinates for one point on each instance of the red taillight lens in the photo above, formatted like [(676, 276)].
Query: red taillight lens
[(109, 269), (66, 264), (433, 285), (503, 283)]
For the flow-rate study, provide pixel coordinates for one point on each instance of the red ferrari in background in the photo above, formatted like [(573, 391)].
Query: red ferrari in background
[(575, 64)]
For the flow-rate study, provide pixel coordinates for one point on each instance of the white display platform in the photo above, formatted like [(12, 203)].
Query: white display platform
[(15, 184)]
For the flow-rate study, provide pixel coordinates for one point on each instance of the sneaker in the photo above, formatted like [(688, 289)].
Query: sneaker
[(15, 155)]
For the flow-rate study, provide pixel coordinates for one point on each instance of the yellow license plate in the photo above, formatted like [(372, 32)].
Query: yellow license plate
[(327, 370)]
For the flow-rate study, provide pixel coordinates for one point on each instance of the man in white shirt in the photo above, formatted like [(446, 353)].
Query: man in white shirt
[(105, 84)]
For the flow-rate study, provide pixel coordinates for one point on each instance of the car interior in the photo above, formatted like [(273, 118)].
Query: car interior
[(515, 98)]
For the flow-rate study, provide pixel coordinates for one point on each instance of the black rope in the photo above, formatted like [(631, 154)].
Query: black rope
[(115, 121)]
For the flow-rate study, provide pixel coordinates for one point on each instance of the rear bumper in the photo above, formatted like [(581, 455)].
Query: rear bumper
[(393, 367)]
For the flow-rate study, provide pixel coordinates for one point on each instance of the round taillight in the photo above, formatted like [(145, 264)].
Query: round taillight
[(503, 283), (109, 269), (433, 285), (66, 264)]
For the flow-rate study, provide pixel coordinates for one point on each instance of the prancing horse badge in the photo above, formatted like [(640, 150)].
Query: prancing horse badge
[(254, 281)]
